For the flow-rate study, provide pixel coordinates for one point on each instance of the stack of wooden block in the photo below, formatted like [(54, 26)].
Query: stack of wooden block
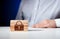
[(13, 22)]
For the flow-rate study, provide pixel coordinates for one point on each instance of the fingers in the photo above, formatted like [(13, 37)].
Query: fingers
[(40, 26), (35, 26), (45, 24)]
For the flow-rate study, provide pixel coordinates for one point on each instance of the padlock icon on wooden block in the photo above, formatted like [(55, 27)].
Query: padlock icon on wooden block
[(19, 25)]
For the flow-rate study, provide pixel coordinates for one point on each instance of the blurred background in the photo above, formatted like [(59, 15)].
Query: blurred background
[(8, 11)]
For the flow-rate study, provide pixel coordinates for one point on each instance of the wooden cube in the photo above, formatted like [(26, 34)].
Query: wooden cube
[(18, 25)]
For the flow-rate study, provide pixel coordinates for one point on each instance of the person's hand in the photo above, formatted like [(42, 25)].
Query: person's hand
[(45, 24)]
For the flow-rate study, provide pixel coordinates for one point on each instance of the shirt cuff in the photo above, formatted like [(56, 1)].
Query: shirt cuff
[(57, 22)]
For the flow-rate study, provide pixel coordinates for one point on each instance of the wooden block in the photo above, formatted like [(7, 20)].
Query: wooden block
[(18, 25)]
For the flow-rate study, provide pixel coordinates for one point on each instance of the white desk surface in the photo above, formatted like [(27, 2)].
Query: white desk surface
[(49, 33)]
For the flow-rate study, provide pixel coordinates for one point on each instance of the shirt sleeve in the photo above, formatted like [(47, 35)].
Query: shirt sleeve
[(57, 22)]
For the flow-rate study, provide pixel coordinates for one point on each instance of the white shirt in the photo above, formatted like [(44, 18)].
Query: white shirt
[(36, 11), (57, 22)]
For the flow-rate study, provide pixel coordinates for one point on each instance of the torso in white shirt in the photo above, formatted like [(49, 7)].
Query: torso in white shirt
[(37, 10)]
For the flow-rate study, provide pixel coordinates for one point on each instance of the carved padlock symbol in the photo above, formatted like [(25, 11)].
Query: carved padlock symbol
[(19, 26)]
